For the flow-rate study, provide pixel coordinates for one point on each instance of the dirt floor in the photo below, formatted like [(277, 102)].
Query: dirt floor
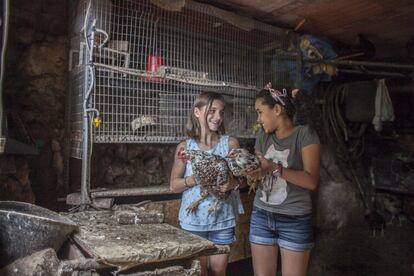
[(355, 252)]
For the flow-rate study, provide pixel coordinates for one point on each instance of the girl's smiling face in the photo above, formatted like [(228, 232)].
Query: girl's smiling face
[(215, 115), (266, 116)]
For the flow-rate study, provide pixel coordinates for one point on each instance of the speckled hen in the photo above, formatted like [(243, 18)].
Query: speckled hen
[(240, 162), (211, 172)]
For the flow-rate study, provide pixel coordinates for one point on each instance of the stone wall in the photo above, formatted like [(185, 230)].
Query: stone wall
[(35, 88), (129, 165), (337, 202), (14, 179)]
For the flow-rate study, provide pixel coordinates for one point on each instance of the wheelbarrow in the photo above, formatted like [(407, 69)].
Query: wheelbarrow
[(26, 228)]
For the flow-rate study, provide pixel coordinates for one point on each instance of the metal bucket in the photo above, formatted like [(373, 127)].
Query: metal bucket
[(26, 228)]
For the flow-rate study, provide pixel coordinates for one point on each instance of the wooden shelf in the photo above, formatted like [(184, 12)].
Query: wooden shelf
[(137, 191)]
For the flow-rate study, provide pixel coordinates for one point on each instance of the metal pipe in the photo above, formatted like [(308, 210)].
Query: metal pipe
[(5, 23), (374, 73), (349, 56), (369, 64), (85, 200)]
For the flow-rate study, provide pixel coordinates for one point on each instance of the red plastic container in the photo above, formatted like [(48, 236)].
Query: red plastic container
[(153, 64)]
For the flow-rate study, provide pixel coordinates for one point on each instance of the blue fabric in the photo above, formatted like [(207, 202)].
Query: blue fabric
[(200, 219), (224, 236), (324, 46), (285, 68), (290, 232)]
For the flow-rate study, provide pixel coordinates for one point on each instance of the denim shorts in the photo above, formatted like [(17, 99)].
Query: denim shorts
[(222, 237), (289, 232)]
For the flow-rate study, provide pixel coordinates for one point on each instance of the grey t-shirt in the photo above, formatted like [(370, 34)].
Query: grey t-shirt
[(284, 197)]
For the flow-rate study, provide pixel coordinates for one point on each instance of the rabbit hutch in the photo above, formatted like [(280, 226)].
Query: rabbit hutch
[(135, 68)]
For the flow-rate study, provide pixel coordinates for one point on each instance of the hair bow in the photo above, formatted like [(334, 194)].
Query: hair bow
[(276, 94)]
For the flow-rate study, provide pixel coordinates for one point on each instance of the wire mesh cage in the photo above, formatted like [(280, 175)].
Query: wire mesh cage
[(282, 68), (150, 63)]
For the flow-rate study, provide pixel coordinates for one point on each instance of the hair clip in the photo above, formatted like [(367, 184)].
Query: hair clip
[(276, 94)]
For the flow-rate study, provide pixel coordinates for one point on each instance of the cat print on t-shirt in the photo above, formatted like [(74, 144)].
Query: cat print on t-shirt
[(277, 188)]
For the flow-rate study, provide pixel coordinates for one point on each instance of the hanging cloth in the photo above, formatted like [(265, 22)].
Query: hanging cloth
[(384, 111)]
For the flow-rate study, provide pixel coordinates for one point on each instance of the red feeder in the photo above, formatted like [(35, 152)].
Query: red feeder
[(153, 64)]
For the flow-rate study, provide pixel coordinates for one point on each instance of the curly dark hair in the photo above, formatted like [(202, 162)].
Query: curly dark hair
[(301, 109)]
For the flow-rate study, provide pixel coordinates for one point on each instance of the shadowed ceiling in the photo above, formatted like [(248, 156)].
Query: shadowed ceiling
[(388, 24)]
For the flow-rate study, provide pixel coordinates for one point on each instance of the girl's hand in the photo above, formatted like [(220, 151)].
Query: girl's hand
[(266, 166), (190, 181), (231, 185)]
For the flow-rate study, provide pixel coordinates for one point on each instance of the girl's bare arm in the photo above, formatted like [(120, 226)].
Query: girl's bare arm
[(177, 181)]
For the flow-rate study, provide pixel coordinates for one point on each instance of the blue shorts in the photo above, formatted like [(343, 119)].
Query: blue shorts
[(222, 237), (289, 232)]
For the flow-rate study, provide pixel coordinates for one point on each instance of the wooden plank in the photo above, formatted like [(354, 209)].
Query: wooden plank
[(275, 5), (104, 203), (126, 246), (240, 249), (138, 191)]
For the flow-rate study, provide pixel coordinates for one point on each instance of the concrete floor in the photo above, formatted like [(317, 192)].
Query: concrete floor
[(353, 251)]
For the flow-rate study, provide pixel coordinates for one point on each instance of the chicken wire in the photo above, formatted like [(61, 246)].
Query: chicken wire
[(152, 64)]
